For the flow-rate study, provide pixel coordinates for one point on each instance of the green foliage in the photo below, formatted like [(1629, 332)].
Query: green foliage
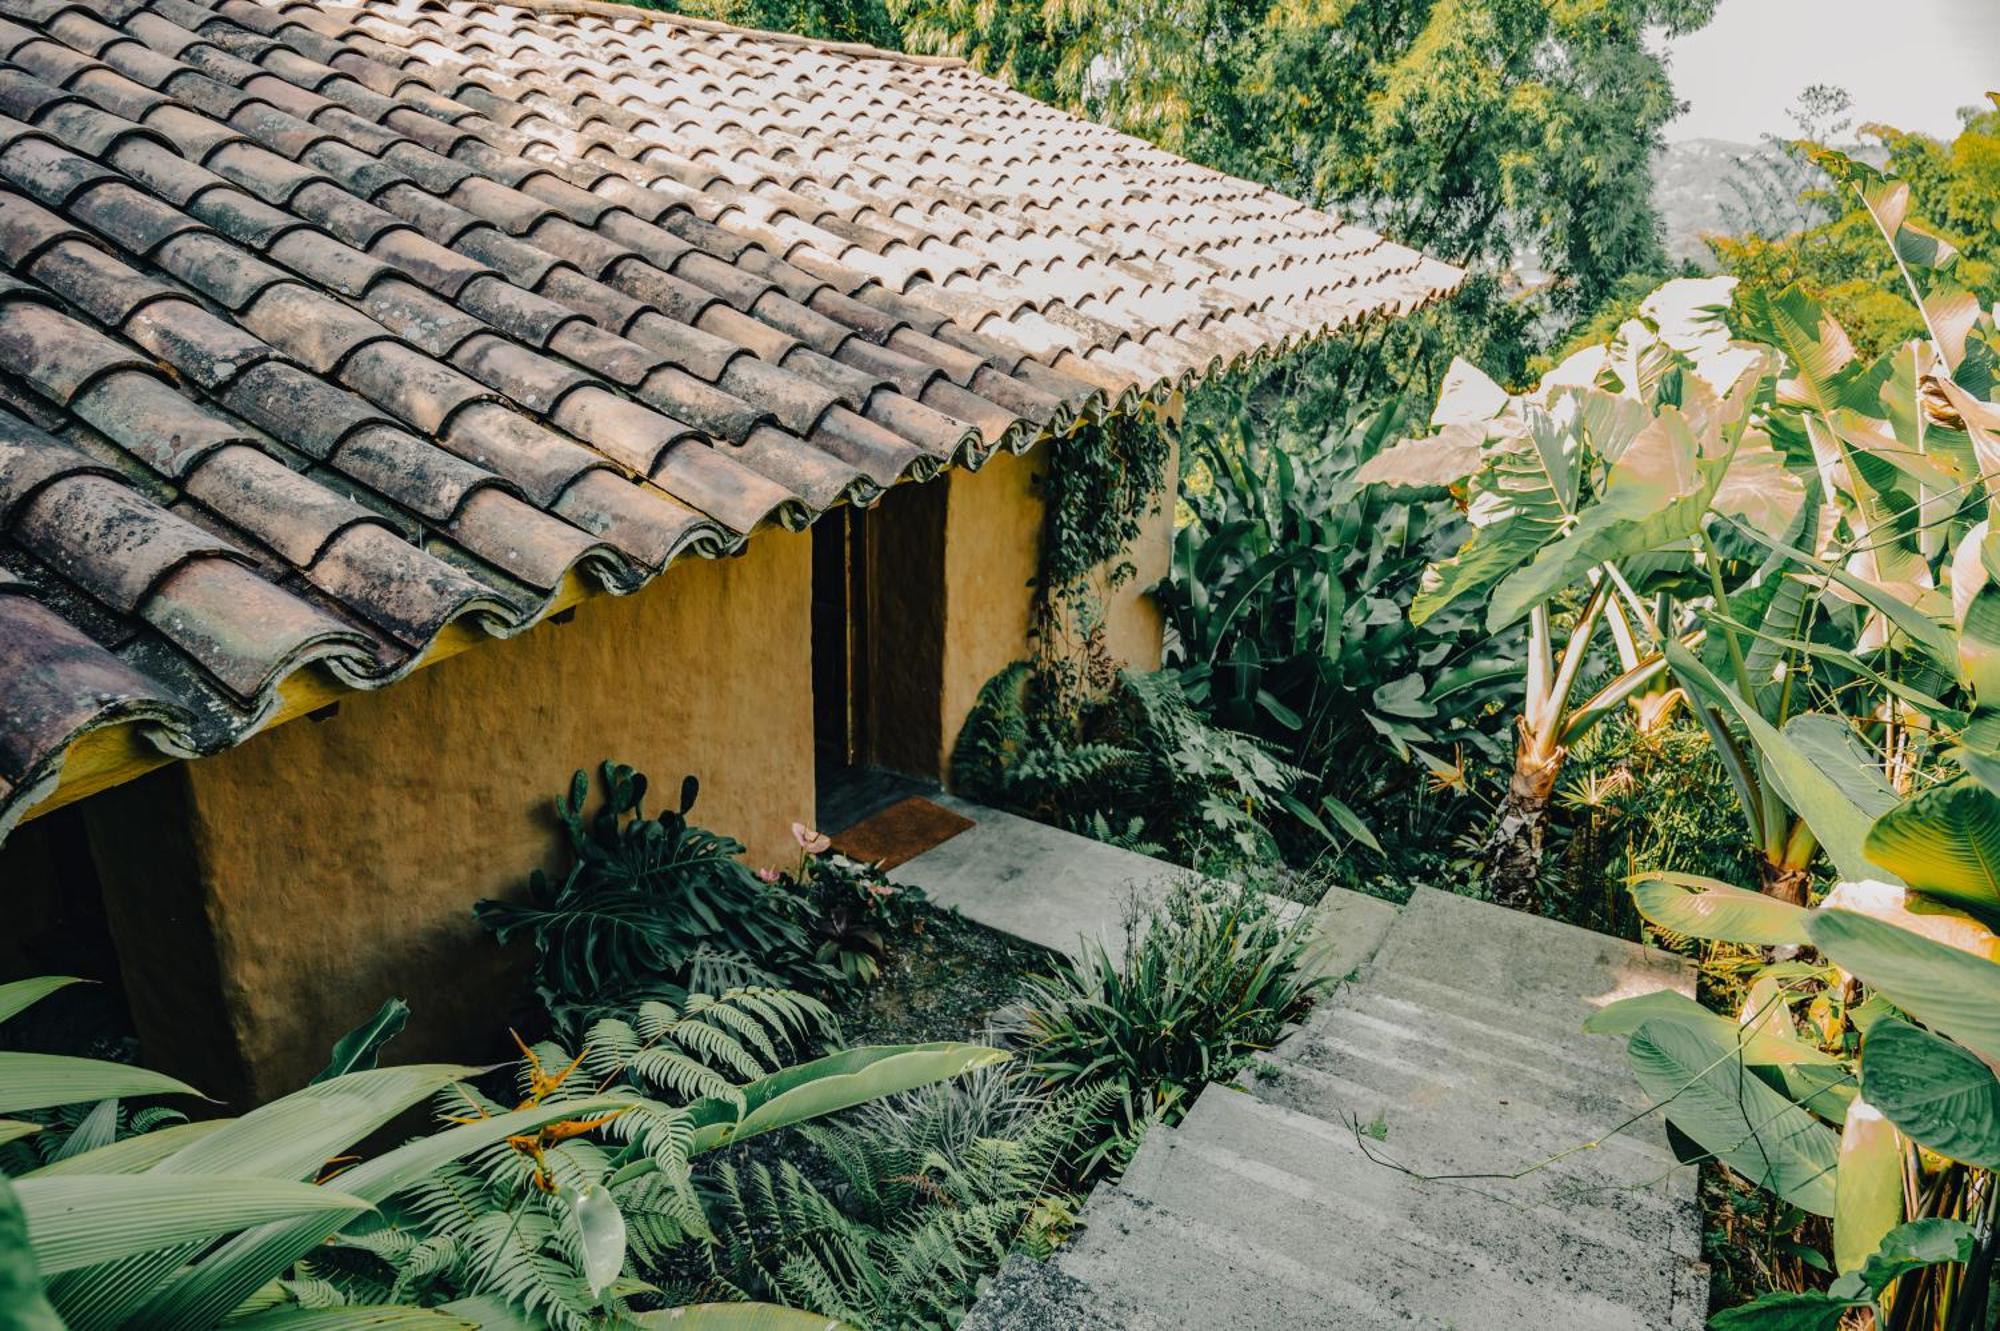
[(530, 1213), (1289, 606), (650, 909), (854, 911), (1772, 1093), (359, 1049), (1141, 763), (1832, 250), (1208, 979), (931, 1192)]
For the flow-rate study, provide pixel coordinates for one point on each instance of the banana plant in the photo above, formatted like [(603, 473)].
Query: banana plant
[(1857, 1083), (195, 1226), (1880, 599), (1578, 495)]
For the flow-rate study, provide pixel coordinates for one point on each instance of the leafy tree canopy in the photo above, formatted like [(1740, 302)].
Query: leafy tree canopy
[(1840, 260)]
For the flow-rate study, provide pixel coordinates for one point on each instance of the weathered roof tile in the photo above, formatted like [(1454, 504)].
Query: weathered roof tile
[(381, 316)]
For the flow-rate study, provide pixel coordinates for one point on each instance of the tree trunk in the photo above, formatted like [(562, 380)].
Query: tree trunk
[(1783, 882), (1513, 850)]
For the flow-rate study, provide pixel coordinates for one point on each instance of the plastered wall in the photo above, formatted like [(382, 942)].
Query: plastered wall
[(338, 860)]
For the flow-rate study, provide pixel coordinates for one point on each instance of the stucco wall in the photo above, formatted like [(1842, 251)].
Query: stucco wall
[(340, 858), (992, 545), (992, 549)]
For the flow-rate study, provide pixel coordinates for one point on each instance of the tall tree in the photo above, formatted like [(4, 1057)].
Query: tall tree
[(1478, 130)]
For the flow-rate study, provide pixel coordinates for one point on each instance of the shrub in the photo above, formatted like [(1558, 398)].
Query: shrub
[(931, 1191), (1140, 766), (651, 909), (1209, 980)]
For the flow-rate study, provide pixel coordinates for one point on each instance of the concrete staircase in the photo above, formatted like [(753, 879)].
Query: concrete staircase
[(1379, 1169)]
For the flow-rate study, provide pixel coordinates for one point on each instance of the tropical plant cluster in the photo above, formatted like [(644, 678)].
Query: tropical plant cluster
[(545, 1206), (655, 908), (1731, 509)]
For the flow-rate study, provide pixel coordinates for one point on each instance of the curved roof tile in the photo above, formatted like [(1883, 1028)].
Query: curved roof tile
[(327, 327)]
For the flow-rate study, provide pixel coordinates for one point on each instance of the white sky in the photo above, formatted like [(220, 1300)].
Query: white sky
[(1910, 63)]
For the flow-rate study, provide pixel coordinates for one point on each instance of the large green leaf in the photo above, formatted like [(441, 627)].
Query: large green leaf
[(831, 1084), (1808, 1074), (1700, 907), (1952, 992), (246, 1263), (20, 995), (13, 1129), (23, 1306), (1834, 797), (1433, 463), (39, 1081), (1868, 1189), (379, 1318), (1655, 496), (133, 1154), (1710, 1094), (1944, 842), (1935, 1091), (1517, 504), (80, 1221)]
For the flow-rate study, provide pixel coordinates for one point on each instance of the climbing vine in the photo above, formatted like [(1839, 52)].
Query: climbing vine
[(1102, 482)]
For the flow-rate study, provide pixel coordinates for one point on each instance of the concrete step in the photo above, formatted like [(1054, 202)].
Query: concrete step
[(1310, 1190), (1051, 887), (1028, 1295), (1426, 1124), (1348, 930), (1540, 973), (1580, 1075), (1185, 1272)]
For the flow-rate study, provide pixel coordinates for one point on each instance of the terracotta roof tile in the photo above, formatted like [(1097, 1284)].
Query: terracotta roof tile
[(370, 319)]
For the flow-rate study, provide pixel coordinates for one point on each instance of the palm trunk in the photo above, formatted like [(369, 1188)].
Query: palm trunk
[(1513, 850)]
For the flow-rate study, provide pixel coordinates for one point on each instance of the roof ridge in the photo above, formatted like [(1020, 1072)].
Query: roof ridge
[(618, 10)]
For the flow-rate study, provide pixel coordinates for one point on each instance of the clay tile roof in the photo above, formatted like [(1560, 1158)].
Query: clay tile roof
[(328, 329)]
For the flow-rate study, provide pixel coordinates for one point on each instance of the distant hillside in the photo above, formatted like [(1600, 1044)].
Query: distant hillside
[(1691, 188)]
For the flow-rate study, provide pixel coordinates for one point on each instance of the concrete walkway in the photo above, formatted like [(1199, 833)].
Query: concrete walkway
[(1407, 1159), (1039, 882)]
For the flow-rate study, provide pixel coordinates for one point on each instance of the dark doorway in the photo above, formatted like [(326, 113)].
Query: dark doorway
[(877, 636)]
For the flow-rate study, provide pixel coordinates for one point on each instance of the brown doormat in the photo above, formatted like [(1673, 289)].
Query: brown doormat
[(901, 832)]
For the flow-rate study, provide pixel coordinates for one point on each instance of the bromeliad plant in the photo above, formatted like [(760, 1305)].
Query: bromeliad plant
[(1857, 1083), (198, 1225), (1582, 499), (1209, 979), (853, 911)]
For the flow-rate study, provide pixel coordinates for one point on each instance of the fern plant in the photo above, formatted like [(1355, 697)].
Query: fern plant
[(1139, 766), (524, 1221), (650, 909), (933, 1191)]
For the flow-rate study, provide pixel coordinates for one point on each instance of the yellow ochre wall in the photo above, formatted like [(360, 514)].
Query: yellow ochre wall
[(267, 899), (340, 859)]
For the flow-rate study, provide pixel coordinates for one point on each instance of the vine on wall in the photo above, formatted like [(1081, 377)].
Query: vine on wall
[(1102, 482)]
